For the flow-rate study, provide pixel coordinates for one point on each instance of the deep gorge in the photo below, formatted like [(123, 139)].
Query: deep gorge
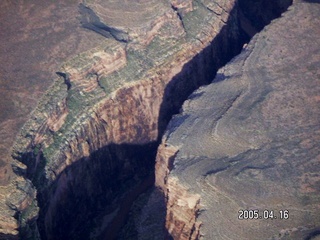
[(107, 181)]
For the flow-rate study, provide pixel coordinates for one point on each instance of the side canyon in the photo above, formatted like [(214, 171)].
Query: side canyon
[(121, 144)]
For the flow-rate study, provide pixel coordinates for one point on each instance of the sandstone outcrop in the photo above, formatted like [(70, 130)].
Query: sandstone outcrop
[(36, 37), (250, 140), (116, 95), (89, 146)]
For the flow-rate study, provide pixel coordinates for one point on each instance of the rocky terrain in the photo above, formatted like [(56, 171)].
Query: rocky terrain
[(111, 76), (36, 37), (250, 140)]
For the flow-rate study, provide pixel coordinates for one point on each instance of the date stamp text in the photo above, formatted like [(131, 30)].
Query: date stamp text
[(255, 214)]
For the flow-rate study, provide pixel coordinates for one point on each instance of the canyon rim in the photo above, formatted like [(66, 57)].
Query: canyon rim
[(105, 135)]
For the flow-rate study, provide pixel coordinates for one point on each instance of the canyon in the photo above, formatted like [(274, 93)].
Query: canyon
[(249, 141), (108, 152)]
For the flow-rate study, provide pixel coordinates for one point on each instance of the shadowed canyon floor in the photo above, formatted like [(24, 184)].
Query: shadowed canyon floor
[(88, 150)]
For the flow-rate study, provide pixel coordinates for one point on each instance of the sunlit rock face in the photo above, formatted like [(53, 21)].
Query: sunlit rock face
[(113, 99), (122, 70), (250, 141)]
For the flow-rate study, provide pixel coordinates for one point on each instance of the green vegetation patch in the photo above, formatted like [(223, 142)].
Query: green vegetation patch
[(195, 20)]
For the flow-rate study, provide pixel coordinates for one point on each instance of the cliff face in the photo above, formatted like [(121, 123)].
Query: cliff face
[(36, 37), (90, 145), (94, 134), (249, 141)]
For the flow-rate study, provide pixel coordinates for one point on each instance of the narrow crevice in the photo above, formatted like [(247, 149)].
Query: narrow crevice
[(179, 15), (66, 79), (117, 174)]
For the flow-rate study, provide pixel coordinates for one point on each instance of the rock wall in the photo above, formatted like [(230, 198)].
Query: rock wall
[(85, 139), (182, 207), (94, 134), (248, 141)]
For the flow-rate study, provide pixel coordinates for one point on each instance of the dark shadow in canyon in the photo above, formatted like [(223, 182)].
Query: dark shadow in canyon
[(202, 69), (7, 236), (249, 17), (261, 12), (106, 182), (114, 176)]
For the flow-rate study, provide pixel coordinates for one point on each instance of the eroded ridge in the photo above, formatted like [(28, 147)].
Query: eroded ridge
[(249, 140), (109, 103), (94, 134)]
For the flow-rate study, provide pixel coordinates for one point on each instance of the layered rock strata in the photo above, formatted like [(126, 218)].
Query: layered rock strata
[(36, 37), (94, 134), (250, 141), (85, 139)]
